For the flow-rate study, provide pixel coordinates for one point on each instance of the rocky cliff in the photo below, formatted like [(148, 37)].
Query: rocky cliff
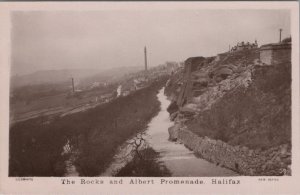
[(233, 110)]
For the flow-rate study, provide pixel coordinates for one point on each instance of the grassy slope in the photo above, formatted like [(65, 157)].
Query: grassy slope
[(35, 148), (257, 117)]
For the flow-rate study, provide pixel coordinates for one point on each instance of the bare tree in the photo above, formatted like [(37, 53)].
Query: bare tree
[(138, 143), (133, 148)]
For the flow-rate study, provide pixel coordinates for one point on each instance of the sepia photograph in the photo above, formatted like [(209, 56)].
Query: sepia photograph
[(151, 92)]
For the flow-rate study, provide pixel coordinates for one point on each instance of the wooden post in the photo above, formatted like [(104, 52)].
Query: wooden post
[(280, 30)]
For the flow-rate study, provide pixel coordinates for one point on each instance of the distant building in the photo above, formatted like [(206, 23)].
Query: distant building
[(94, 85)]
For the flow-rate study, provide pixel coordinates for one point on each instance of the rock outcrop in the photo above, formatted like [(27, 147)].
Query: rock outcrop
[(234, 111)]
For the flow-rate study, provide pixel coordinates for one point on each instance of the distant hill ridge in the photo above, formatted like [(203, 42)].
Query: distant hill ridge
[(59, 76)]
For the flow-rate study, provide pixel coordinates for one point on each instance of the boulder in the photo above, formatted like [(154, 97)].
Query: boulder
[(173, 132), (188, 111), (201, 82), (222, 73), (173, 107), (192, 64), (173, 116)]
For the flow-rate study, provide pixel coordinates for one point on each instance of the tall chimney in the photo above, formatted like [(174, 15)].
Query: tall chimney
[(145, 51), (280, 30), (73, 89)]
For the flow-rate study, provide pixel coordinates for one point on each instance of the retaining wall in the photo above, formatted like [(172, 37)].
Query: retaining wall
[(274, 161)]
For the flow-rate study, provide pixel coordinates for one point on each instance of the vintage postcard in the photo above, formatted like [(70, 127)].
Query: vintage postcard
[(149, 97)]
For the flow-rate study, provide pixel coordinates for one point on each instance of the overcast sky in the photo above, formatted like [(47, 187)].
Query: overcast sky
[(63, 40)]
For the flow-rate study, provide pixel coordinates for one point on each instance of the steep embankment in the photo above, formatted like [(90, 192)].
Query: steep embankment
[(233, 111), (36, 147)]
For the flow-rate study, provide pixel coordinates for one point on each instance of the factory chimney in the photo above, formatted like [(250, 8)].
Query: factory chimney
[(280, 30)]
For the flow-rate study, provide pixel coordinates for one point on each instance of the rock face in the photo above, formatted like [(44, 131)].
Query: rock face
[(235, 111), (207, 79)]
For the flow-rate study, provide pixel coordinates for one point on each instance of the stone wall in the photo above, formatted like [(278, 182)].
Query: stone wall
[(272, 54), (266, 57), (274, 161)]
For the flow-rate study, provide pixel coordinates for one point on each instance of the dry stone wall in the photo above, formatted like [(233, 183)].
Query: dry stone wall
[(274, 161)]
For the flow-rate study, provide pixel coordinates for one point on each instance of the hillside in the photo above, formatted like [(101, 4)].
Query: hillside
[(238, 101), (110, 75), (50, 77), (83, 77), (101, 130)]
